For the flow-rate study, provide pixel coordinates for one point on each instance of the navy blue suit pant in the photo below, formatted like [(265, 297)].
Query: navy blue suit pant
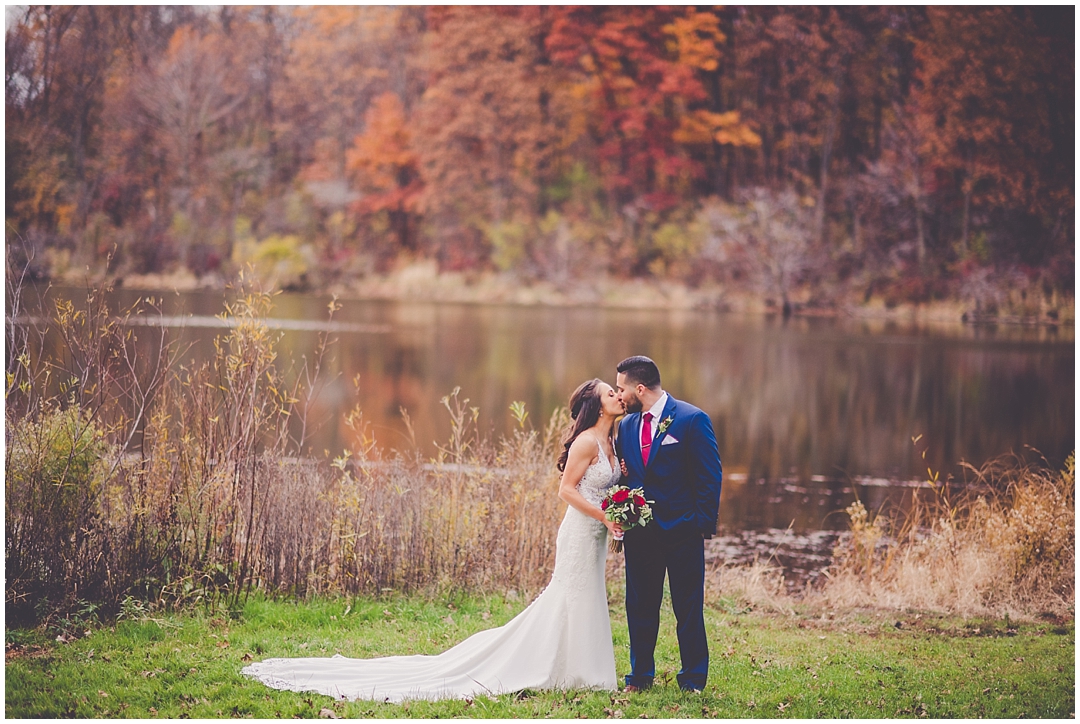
[(680, 553)]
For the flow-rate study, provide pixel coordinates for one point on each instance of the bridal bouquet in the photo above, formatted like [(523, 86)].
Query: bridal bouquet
[(627, 507)]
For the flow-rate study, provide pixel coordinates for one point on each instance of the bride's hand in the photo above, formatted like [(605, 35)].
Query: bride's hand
[(614, 528)]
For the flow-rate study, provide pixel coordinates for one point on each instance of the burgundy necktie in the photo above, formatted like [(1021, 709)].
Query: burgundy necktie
[(646, 437)]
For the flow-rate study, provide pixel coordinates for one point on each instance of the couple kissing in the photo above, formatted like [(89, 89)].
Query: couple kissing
[(562, 640)]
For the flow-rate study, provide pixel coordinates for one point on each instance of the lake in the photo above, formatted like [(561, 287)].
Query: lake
[(808, 412)]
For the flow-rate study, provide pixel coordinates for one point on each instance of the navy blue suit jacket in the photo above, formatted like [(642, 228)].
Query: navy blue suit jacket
[(684, 473)]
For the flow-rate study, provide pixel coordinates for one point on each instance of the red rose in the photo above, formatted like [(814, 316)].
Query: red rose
[(620, 496), (639, 501), (632, 518), (604, 504)]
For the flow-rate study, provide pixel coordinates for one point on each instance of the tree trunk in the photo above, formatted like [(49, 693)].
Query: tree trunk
[(969, 186), (269, 69), (967, 219), (920, 231), (823, 181), (920, 236)]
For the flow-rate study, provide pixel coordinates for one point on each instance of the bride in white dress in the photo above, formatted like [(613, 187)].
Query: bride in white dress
[(561, 641)]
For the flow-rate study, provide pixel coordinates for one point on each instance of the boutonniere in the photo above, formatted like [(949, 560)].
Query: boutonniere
[(664, 425)]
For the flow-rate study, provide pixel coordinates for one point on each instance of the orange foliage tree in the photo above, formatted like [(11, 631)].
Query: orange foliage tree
[(386, 168), (985, 103), (925, 140)]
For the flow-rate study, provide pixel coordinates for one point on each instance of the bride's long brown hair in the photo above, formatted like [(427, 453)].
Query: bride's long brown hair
[(585, 407)]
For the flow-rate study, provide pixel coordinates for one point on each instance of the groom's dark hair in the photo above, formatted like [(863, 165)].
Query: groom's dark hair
[(640, 370)]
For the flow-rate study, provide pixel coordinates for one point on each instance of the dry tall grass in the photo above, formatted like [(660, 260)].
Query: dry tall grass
[(138, 477), (211, 500), (1005, 544)]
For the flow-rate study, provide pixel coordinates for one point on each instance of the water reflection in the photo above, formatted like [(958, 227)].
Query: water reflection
[(789, 400)]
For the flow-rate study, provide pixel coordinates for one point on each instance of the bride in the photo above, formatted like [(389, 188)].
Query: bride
[(561, 641)]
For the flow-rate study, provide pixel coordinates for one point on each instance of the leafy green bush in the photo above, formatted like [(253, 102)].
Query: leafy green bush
[(56, 465), (278, 260)]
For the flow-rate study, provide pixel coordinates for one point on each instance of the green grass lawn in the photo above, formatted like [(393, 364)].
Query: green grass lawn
[(806, 665)]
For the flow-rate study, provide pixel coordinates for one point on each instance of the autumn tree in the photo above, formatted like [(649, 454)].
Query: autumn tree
[(918, 141), (644, 72), (57, 61), (985, 109), (486, 126), (385, 168), (768, 238)]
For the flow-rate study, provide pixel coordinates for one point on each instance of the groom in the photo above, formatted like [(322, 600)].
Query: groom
[(669, 449)]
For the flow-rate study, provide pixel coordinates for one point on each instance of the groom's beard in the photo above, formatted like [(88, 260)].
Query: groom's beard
[(633, 405)]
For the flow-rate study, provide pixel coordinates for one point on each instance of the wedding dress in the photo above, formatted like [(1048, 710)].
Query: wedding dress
[(561, 641)]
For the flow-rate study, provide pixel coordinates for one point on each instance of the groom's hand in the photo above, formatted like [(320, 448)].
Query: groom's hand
[(622, 467)]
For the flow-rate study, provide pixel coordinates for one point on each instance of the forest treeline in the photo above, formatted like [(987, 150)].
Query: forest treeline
[(909, 153)]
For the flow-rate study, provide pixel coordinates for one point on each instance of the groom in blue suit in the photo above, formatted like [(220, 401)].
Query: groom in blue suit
[(669, 449)]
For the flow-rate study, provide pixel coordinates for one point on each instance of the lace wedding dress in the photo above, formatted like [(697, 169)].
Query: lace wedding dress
[(561, 641)]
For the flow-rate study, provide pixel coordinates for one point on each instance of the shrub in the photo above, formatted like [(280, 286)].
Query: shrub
[(278, 260), (1005, 544), (55, 470)]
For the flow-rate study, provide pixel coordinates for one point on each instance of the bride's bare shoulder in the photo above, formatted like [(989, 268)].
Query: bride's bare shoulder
[(585, 446)]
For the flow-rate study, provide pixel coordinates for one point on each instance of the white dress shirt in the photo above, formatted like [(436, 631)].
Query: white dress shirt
[(657, 410)]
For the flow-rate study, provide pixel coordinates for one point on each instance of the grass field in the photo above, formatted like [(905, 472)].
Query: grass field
[(811, 663)]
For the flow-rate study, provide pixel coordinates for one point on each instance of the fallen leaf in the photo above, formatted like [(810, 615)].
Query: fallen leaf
[(246, 657), (782, 705), (485, 615), (152, 710), (223, 644), (325, 713), (102, 694)]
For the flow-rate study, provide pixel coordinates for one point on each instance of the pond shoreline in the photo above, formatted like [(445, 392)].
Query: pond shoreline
[(424, 283)]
